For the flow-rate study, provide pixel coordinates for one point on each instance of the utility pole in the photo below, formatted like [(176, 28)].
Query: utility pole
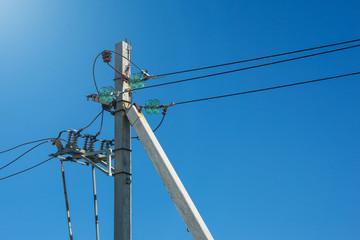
[(168, 175), (127, 115), (122, 163)]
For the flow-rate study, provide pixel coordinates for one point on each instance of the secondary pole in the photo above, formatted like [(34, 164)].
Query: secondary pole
[(122, 163), (167, 173)]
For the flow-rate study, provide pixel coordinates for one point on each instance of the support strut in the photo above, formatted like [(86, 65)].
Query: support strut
[(95, 204), (66, 201)]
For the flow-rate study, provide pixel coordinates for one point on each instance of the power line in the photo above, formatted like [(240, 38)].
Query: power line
[(269, 88), (162, 119), (160, 123), (93, 72), (258, 58), (101, 124), (25, 170), (94, 63), (23, 154), (127, 59), (251, 67), (25, 144), (82, 129)]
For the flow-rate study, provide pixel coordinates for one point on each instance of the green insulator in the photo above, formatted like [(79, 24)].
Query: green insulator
[(155, 106), (132, 82), (132, 78), (105, 94), (140, 84), (102, 95), (148, 107), (136, 81), (132, 85), (109, 97), (139, 76), (152, 106)]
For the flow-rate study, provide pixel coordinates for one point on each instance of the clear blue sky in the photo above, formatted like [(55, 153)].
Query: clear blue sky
[(275, 165)]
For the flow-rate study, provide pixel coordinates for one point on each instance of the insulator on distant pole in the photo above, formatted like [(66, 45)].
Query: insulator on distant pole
[(106, 55)]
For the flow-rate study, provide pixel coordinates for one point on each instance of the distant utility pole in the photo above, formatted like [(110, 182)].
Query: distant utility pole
[(122, 167)]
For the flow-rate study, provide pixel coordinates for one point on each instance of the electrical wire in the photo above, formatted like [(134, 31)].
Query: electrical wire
[(127, 59), (94, 63), (101, 124), (269, 88), (25, 170), (93, 72), (251, 67), (25, 144), (162, 119), (6, 165), (121, 74), (160, 123), (82, 129), (258, 58)]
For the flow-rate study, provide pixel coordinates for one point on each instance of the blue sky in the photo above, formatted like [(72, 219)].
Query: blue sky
[(279, 165)]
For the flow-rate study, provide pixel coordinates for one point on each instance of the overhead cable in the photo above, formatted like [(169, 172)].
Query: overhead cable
[(101, 124), (93, 72), (258, 58), (127, 59), (25, 170), (162, 119), (266, 89), (24, 154), (158, 126), (94, 63), (82, 129), (251, 67), (44, 139)]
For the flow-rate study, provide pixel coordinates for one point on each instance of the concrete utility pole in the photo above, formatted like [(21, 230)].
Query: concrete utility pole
[(171, 180), (122, 163)]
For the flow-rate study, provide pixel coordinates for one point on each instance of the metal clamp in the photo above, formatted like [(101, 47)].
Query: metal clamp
[(118, 149)]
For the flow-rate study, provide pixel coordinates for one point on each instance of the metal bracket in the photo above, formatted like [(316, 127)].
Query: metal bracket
[(95, 158), (95, 98)]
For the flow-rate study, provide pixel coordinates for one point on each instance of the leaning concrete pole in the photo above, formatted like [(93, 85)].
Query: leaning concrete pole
[(171, 180)]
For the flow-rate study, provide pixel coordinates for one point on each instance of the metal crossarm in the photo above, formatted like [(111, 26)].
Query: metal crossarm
[(95, 158)]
